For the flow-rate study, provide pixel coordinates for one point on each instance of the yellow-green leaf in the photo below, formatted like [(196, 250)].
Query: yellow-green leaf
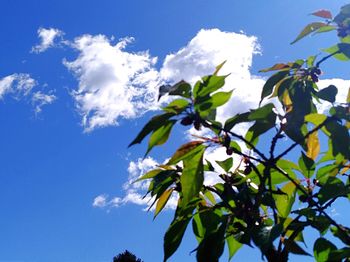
[(162, 200), (313, 146)]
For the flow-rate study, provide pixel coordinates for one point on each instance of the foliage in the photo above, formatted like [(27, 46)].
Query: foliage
[(267, 199), (126, 256)]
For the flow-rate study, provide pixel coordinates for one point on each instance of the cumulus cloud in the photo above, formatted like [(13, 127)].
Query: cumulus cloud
[(113, 83), (134, 192), (39, 99), (21, 86), (48, 38)]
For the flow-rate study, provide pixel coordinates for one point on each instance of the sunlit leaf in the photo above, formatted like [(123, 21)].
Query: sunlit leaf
[(313, 146), (226, 164), (285, 202), (192, 176), (155, 123), (162, 200), (161, 135), (308, 30), (233, 246)]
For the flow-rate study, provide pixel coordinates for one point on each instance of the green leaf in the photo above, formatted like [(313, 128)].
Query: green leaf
[(206, 105), (329, 93), (161, 135), (307, 165), (343, 14), (284, 203), (186, 151), (339, 136), (333, 187), (205, 222), (265, 120), (181, 88), (262, 113), (317, 120), (149, 174), (176, 106), (162, 200), (264, 236), (192, 176), (322, 249), (226, 164), (327, 170), (341, 51), (212, 246), (218, 68), (271, 82), (308, 30), (239, 118), (208, 85), (233, 246), (173, 236), (155, 123)]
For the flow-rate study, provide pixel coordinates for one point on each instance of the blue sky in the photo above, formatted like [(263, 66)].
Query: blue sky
[(69, 107)]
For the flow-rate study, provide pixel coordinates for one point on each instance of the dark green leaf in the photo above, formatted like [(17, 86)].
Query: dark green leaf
[(212, 246), (307, 165), (161, 135), (271, 82), (173, 236), (226, 164), (155, 123), (329, 93), (239, 118), (333, 187), (322, 249)]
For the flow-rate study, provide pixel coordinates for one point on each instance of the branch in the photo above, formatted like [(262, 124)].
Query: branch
[(305, 137), (326, 57), (258, 152)]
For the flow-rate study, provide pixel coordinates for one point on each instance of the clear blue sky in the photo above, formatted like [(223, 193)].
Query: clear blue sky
[(51, 170)]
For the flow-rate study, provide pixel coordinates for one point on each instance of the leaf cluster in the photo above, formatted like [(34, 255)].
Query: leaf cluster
[(266, 198)]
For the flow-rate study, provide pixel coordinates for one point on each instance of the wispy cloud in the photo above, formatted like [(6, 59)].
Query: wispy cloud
[(48, 37), (22, 86)]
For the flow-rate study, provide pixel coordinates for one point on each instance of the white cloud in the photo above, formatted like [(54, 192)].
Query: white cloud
[(113, 83), (47, 37), (100, 201), (18, 85), (39, 99), (21, 86)]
